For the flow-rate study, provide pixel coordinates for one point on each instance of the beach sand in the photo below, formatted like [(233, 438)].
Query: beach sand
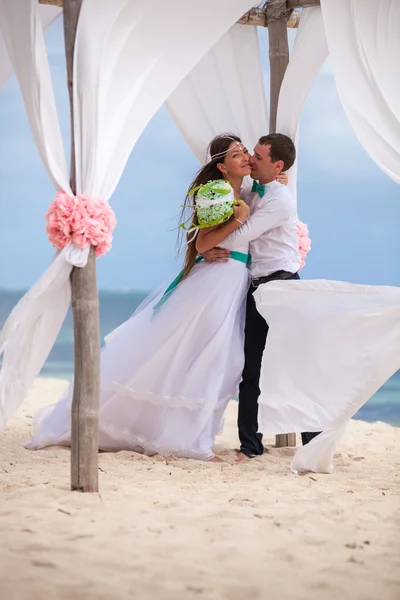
[(181, 529)]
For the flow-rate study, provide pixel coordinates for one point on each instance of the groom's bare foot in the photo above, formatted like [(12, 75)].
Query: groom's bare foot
[(240, 457)]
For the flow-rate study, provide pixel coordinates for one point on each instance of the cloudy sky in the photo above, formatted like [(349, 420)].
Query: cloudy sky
[(351, 207)]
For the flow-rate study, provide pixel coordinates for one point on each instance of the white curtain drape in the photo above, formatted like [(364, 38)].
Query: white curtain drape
[(309, 53), (31, 329), (331, 346), (47, 15), (140, 53), (224, 92), (21, 21), (364, 45), (129, 58)]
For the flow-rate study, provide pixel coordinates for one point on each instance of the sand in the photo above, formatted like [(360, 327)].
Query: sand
[(182, 529)]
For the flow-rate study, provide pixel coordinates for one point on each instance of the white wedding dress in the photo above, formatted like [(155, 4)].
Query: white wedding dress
[(168, 375)]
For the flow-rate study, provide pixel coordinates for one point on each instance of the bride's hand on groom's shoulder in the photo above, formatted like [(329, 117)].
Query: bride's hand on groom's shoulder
[(282, 178)]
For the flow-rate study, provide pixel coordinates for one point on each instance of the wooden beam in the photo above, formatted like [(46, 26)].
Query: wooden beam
[(302, 3), (258, 17), (85, 307), (255, 16), (277, 15), (52, 2), (294, 19), (290, 4)]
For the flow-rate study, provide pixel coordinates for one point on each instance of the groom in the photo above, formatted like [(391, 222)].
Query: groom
[(271, 230)]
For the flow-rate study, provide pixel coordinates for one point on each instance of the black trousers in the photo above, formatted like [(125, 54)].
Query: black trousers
[(256, 331)]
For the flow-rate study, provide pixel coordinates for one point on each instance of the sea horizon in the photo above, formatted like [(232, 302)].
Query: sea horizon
[(116, 306)]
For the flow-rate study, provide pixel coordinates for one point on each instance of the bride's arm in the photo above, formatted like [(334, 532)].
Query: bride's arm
[(212, 236)]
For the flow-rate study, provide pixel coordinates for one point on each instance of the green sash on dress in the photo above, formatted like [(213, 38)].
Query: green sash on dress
[(240, 256)]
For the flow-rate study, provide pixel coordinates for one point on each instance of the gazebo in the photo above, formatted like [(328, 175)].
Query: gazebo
[(104, 42)]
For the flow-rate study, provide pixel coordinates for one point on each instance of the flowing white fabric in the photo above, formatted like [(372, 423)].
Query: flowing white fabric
[(47, 14), (21, 21), (364, 45), (224, 92), (309, 53), (130, 56), (32, 327), (331, 346), (128, 59)]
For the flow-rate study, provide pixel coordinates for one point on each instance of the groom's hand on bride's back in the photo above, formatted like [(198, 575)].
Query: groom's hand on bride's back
[(216, 255)]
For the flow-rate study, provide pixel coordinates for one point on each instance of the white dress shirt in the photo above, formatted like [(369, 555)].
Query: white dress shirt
[(271, 231)]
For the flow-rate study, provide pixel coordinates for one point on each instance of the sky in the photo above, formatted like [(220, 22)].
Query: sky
[(351, 207)]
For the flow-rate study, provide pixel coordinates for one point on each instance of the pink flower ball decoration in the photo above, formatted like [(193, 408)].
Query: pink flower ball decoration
[(81, 220), (304, 242)]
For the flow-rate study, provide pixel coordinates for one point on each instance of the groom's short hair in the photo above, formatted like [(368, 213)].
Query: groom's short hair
[(282, 148)]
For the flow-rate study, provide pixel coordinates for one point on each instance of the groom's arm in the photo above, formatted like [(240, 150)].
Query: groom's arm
[(273, 214), (216, 254)]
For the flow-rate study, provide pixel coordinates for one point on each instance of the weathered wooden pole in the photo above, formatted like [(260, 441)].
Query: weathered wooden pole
[(85, 306), (277, 15)]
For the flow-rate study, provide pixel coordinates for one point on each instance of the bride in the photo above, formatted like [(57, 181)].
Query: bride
[(168, 373)]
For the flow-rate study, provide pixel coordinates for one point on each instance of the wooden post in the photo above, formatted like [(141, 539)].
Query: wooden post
[(85, 306), (277, 15)]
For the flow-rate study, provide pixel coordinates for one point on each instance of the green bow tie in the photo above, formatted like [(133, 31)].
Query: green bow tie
[(260, 189)]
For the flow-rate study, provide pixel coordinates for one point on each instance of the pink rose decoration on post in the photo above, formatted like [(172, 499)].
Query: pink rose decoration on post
[(304, 242), (81, 220)]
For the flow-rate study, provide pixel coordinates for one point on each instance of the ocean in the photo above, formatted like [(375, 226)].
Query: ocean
[(116, 307)]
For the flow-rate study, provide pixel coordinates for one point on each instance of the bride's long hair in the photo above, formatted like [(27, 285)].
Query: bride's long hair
[(218, 148)]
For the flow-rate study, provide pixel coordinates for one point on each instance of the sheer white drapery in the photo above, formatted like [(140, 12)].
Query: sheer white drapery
[(364, 45), (157, 44), (47, 15), (128, 60), (331, 346), (32, 327), (224, 92), (21, 21), (309, 53)]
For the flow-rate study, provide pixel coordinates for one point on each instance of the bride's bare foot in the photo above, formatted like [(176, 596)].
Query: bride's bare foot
[(240, 457), (216, 459)]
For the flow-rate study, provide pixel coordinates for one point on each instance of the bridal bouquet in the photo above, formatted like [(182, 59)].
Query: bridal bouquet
[(213, 204)]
